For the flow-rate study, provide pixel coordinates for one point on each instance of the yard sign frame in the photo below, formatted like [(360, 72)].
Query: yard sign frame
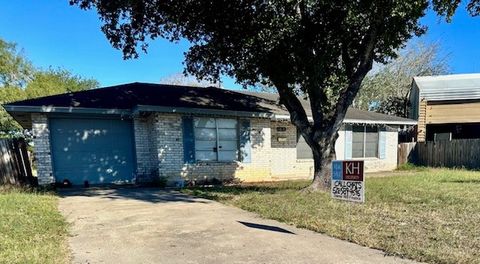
[(348, 180)]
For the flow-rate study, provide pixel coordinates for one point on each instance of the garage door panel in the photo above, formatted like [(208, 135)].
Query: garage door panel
[(94, 150)]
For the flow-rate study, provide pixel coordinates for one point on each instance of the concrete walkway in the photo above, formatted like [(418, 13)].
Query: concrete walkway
[(154, 226)]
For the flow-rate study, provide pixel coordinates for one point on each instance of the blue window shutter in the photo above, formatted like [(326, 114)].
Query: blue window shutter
[(188, 140), (348, 142), (245, 141), (382, 143)]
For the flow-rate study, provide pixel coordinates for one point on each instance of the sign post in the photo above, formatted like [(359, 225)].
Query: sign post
[(348, 181)]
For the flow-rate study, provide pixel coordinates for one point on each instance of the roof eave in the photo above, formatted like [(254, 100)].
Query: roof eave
[(58, 109), (204, 111), (359, 121)]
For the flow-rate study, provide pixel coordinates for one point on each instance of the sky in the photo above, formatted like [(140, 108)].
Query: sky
[(54, 34)]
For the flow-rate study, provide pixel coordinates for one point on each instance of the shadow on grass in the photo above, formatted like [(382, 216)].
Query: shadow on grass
[(475, 181)]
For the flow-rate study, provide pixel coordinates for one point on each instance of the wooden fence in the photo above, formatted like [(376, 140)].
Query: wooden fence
[(454, 153), (407, 153), (451, 154), (14, 163)]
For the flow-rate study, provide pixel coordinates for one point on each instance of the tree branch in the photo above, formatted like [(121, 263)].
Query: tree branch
[(364, 66)]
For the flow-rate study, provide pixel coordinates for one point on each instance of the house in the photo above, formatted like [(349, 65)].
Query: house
[(446, 106), (136, 132)]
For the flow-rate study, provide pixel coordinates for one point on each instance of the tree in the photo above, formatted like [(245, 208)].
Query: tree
[(9, 94), (15, 68), (57, 81), (322, 49), (387, 90)]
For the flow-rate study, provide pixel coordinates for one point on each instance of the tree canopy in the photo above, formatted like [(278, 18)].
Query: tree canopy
[(321, 49), (15, 69), (387, 89)]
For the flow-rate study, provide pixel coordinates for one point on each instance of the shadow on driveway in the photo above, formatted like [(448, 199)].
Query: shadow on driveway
[(151, 195)]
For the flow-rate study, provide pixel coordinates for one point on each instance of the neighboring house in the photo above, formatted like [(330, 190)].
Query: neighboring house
[(133, 132), (446, 107)]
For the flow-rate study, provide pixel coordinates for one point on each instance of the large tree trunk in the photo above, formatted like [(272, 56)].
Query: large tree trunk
[(323, 155)]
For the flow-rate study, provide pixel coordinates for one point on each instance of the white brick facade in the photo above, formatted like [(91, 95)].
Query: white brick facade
[(42, 152), (159, 152)]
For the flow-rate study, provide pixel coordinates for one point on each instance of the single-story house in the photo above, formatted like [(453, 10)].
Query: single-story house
[(446, 106), (138, 132)]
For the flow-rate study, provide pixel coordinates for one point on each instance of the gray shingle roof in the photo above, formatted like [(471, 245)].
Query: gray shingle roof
[(353, 115), (129, 96)]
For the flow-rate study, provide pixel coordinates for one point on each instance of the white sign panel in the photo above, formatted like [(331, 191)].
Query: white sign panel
[(348, 180)]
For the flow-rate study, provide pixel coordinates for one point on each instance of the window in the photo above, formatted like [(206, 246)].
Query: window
[(364, 142), (216, 139), (303, 149)]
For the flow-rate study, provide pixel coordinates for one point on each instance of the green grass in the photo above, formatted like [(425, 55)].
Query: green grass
[(431, 215), (31, 228), (410, 167)]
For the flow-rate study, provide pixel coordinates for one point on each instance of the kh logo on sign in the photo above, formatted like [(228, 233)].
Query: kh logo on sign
[(353, 170)]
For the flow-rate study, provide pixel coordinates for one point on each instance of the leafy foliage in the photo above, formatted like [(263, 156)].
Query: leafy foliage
[(57, 81), (15, 69), (387, 90)]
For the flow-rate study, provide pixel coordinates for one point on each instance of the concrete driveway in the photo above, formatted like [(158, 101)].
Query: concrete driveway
[(134, 225)]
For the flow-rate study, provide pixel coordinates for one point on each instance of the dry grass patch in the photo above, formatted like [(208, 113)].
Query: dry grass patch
[(429, 215)]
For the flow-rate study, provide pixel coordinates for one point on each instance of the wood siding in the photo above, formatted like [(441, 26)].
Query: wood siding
[(422, 121), (462, 112)]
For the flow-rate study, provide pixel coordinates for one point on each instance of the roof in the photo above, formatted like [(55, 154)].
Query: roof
[(134, 98), (353, 115), (449, 87)]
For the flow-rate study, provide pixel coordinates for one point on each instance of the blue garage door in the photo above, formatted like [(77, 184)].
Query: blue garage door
[(99, 151)]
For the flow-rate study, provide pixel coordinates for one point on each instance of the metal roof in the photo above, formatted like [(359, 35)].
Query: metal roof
[(449, 87)]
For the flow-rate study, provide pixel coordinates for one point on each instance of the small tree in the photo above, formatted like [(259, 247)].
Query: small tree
[(387, 90), (322, 49)]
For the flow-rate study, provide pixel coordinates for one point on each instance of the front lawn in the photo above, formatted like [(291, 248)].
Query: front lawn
[(31, 228), (431, 215)]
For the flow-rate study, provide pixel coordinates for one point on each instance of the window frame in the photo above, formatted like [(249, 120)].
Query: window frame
[(217, 140), (302, 140), (364, 149)]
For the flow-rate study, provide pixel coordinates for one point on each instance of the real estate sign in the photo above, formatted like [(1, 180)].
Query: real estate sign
[(348, 180)]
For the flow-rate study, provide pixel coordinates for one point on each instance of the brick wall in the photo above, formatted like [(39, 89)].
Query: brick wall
[(146, 168), (42, 152), (166, 142)]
